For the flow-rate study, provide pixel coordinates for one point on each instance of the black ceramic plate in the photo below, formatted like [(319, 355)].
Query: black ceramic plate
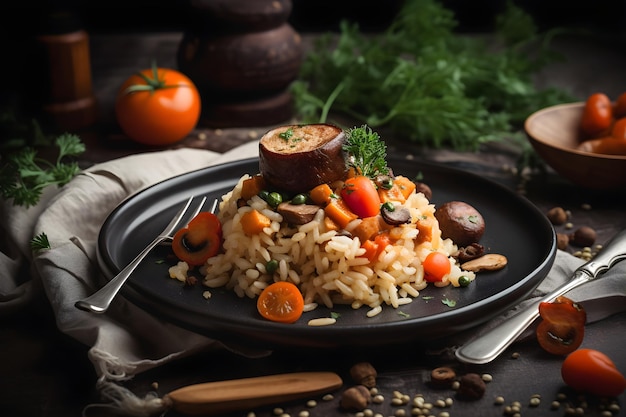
[(514, 228)]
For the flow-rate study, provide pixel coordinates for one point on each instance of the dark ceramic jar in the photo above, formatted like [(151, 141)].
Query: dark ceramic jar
[(242, 55)]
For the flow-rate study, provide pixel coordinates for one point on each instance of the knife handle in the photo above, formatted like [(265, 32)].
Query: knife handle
[(613, 252), (487, 346)]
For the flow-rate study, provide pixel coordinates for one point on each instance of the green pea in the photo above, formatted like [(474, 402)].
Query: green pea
[(264, 194), (464, 281), (271, 266), (389, 206), (299, 199), (274, 199)]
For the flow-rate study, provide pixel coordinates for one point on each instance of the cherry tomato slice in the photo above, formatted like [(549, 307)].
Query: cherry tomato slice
[(436, 266), (360, 195), (281, 302), (562, 328), (200, 240), (591, 371)]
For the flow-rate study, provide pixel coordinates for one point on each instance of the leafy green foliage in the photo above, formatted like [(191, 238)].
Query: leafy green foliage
[(367, 153), (40, 242), (23, 175), (425, 82)]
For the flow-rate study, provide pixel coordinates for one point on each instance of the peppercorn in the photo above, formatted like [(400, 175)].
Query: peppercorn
[(471, 387)]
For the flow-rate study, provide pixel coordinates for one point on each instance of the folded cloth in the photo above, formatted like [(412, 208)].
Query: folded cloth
[(127, 340)]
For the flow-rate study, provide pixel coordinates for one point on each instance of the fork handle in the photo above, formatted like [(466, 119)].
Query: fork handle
[(100, 301)]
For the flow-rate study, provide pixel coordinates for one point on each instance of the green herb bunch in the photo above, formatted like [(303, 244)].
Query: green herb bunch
[(366, 152), (24, 175), (425, 82)]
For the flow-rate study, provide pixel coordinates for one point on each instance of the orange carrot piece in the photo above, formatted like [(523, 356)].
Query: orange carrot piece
[(337, 210), (371, 250), (321, 194), (252, 186), (405, 185), (253, 222)]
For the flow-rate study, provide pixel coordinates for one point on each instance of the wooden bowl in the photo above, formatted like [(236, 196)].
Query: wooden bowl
[(554, 134)]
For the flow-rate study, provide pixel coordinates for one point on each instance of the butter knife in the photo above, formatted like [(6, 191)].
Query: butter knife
[(487, 346)]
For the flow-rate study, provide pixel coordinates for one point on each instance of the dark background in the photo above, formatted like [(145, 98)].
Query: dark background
[(607, 16)]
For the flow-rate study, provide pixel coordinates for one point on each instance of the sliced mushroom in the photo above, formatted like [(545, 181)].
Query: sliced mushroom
[(297, 158), (297, 213), (399, 215), (470, 252), (488, 262)]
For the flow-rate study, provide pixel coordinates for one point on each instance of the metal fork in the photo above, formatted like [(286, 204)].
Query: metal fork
[(100, 301)]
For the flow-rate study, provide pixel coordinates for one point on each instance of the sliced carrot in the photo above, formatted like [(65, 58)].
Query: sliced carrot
[(252, 186), (339, 212), (253, 222), (406, 185), (281, 301), (367, 229), (371, 250), (400, 190), (321, 194)]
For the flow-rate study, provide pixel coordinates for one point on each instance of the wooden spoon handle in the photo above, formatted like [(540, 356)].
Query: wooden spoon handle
[(220, 397)]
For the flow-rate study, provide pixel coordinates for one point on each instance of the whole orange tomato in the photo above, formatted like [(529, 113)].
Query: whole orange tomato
[(157, 106), (591, 371), (597, 115)]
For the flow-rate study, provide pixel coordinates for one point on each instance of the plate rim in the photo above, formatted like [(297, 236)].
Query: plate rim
[(522, 288)]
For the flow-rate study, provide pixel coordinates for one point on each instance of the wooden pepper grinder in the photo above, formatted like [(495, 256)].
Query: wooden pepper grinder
[(67, 96), (242, 55)]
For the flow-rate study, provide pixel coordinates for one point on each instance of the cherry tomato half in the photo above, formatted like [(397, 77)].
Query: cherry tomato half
[(591, 371), (200, 240), (562, 328), (157, 106), (436, 266), (361, 196), (597, 115)]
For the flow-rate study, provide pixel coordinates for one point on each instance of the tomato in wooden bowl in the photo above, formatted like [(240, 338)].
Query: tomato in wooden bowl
[(555, 134)]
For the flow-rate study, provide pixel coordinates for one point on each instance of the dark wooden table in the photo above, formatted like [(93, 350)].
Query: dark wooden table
[(46, 373)]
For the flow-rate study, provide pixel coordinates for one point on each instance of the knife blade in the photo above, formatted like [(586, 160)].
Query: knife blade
[(489, 345)]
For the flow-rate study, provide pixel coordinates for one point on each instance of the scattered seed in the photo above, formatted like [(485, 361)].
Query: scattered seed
[(499, 401), (440, 403), (555, 405), (515, 355), (400, 412), (487, 377), (378, 399), (328, 397), (304, 413), (311, 403), (534, 402), (277, 411)]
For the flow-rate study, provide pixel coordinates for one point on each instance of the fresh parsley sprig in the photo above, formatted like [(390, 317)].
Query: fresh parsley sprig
[(366, 152), (40, 242), (24, 175)]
